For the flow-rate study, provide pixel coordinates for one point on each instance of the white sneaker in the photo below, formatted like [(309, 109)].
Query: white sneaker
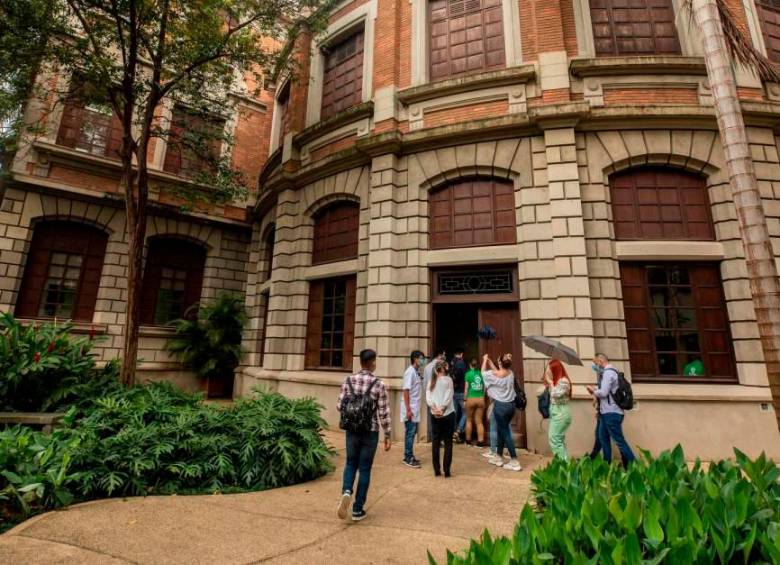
[(497, 461), (513, 465), (344, 504), (488, 453)]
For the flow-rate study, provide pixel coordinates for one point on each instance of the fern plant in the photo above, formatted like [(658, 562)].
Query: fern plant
[(210, 342)]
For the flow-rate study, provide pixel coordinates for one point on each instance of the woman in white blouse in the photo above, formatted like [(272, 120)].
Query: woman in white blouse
[(439, 396), (500, 385)]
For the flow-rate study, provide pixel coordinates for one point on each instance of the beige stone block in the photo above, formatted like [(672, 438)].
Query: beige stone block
[(561, 136), (612, 142), (505, 152), (466, 156), (762, 136), (562, 172), (486, 150)]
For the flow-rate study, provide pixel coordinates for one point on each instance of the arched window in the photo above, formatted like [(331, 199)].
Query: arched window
[(478, 211), (269, 241), (656, 203), (172, 280), (336, 232), (62, 274)]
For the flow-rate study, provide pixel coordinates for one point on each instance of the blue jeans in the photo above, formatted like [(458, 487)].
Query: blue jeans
[(410, 429), (503, 413), (493, 431), (361, 449), (460, 411), (611, 428)]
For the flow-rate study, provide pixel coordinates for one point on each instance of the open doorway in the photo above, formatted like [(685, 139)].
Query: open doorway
[(456, 326)]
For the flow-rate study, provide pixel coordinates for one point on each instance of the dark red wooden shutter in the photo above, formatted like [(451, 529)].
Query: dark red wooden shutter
[(63, 237), (714, 331), (264, 330), (349, 322), (114, 145), (314, 327), (634, 27), (651, 203), (172, 163), (769, 15), (342, 83), (473, 212), (336, 233), (465, 36), (70, 123)]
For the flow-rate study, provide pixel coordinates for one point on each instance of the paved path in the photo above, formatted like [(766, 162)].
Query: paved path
[(410, 511)]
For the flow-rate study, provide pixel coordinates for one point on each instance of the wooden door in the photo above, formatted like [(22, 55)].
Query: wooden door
[(505, 321)]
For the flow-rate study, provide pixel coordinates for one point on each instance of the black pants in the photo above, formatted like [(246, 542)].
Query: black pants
[(443, 428)]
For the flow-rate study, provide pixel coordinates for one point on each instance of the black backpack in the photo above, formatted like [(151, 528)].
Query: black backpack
[(520, 399), (623, 396), (357, 410), (544, 404)]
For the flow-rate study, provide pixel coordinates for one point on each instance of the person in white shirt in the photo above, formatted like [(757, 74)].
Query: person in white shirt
[(439, 355), (500, 387), (410, 406), (439, 396)]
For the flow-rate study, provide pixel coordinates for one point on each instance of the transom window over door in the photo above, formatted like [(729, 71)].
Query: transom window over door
[(173, 280), (62, 275), (465, 36), (676, 322), (336, 232), (634, 27), (769, 16), (479, 211), (331, 328), (342, 82), (650, 203)]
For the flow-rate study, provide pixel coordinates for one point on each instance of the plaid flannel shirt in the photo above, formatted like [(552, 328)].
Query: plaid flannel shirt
[(360, 382)]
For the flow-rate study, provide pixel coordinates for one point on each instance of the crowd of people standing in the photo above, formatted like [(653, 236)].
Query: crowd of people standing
[(458, 395)]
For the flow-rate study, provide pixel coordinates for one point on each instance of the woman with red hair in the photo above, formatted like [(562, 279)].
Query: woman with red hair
[(559, 383)]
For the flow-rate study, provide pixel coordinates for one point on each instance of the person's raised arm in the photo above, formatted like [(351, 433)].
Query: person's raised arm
[(485, 360)]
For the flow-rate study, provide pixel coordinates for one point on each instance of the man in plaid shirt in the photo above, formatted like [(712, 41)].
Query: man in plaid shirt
[(361, 447)]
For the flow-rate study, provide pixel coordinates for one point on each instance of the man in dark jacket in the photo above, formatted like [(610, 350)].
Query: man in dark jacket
[(458, 373)]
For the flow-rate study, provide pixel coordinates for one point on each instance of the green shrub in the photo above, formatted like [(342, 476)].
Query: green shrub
[(156, 439), (210, 343), (42, 367), (660, 510)]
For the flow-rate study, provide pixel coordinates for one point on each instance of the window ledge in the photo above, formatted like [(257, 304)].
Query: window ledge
[(701, 392), (333, 377), (669, 250), (363, 110), (504, 77), (76, 327), (332, 269), (157, 331), (481, 255), (652, 64)]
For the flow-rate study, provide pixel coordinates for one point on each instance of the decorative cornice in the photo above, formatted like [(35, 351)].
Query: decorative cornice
[(352, 114), (639, 65), (504, 77)]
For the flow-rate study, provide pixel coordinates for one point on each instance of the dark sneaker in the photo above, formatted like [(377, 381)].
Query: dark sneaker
[(413, 463), (358, 516), (344, 503), (416, 461)]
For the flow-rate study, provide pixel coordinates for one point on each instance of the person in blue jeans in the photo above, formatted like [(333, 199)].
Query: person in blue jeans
[(458, 369), (361, 447), (411, 401), (610, 422)]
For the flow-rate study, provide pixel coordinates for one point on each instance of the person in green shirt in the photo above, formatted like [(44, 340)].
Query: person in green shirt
[(474, 392), (694, 369)]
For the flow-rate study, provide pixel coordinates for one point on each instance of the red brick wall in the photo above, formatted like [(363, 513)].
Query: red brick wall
[(252, 136), (569, 28), (387, 44), (637, 96), (466, 113), (334, 147), (81, 179)]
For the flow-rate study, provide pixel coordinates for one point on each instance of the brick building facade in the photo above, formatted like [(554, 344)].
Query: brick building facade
[(434, 166), (548, 167)]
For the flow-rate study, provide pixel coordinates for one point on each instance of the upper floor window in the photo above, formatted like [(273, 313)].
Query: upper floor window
[(173, 280), (650, 203), (634, 27), (88, 124), (62, 275), (769, 16), (465, 36), (342, 82), (479, 211), (283, 107), (676, 322), (336, 232), (330, 332), (194, 142)]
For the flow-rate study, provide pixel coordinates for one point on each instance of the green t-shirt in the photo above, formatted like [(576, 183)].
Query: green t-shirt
[(475, 384), (694, 369)]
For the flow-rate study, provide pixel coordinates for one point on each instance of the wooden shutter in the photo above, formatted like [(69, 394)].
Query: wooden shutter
[(769, 16), (172, 163), (465, 36), (342, 84), (70, 123), (283, 104), (336, 233), (472, 212), (314, 327), (714, 331), (264, 330), (634, 27), (64, 237), (660, 204), (349, 322)]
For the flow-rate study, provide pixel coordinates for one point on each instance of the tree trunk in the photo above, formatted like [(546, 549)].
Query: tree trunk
[(762, 271), (135, 251)]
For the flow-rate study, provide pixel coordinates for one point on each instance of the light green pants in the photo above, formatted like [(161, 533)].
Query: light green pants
[(560, 420)]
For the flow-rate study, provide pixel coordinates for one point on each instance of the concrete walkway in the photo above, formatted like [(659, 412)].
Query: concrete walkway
[(410, 512)]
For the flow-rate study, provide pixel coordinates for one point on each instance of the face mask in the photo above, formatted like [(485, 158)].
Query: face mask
[(595, 368)]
